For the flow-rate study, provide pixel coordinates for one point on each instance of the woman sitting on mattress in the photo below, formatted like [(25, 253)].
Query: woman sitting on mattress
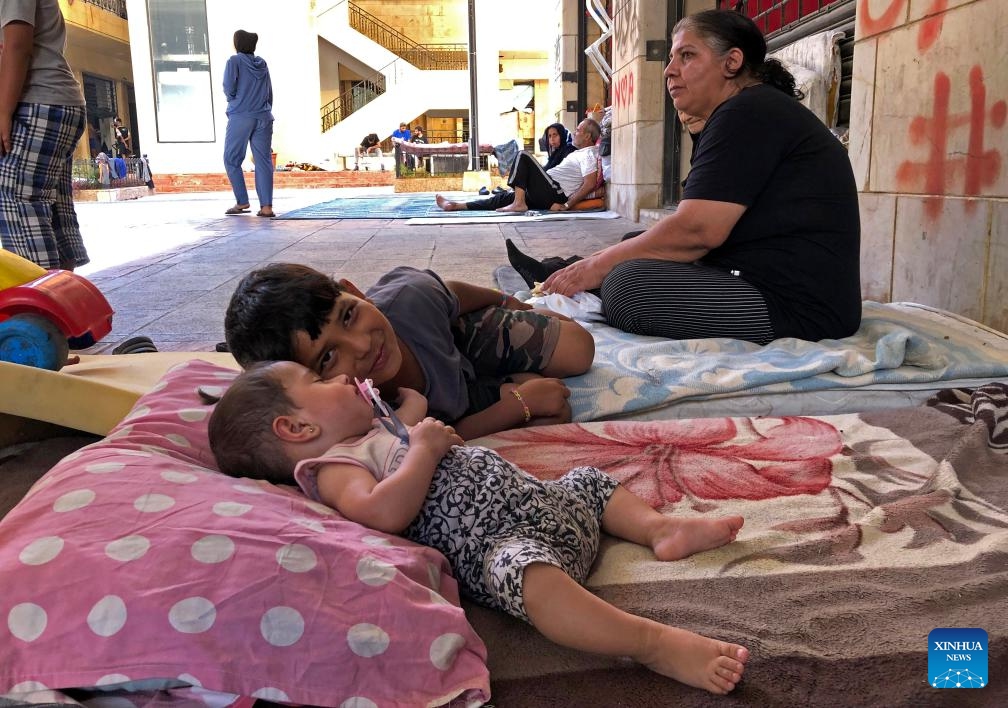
[(765, 242)]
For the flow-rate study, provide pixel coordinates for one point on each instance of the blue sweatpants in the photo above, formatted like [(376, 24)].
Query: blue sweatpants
[(256, 131)]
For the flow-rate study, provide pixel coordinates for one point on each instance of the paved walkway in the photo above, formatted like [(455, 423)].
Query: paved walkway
[(169, 263)]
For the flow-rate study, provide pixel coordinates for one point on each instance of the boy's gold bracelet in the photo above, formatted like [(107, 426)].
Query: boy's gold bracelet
[(525, 409)]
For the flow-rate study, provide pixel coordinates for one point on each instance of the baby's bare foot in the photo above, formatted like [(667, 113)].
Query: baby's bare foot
[(696, 660), (680, 538)]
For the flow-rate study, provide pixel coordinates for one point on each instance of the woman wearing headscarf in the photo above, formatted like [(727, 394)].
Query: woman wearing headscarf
[(558, 144)]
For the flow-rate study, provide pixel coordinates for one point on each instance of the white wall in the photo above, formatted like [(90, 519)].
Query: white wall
[(287, 41)]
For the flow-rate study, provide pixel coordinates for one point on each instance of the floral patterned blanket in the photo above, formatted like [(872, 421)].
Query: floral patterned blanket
[(863, 533)]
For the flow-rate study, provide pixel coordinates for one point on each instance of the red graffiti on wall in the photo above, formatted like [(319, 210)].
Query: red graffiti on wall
[(930, 28), (978, 168), (624, 90)]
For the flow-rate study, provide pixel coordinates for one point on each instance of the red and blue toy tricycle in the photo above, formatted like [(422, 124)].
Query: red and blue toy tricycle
[(44, 314)]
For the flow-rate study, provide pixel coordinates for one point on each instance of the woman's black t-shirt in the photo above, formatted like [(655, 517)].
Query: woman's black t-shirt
[(799, 239)]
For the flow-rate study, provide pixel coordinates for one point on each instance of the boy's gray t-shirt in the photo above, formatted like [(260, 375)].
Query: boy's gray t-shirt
[(422, 311), (50, 80)]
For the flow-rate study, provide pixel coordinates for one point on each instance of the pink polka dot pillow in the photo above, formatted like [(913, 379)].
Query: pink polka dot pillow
[(134, 559)]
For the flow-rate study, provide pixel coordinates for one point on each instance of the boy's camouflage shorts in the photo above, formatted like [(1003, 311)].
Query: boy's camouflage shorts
[(500, 342)]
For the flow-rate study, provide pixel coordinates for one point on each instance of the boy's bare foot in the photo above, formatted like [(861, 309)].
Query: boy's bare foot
[(514, 206), (696, 660), (678, 538), (447, 204)]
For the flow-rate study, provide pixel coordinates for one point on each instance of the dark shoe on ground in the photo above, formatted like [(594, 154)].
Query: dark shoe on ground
[(268, 213), (484, 191), (530, 270), (222, 347), (499, 190), (136, 345), (237, 209)]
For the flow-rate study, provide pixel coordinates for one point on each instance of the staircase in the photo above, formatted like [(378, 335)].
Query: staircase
[(412, 80), (427, 57)]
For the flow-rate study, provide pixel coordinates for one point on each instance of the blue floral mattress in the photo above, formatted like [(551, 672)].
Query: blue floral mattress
[(902, 353)]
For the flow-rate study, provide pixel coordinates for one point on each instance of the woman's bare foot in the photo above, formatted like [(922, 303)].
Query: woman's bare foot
[(696, 660), (678, 538), (447, 204), (514, 206)]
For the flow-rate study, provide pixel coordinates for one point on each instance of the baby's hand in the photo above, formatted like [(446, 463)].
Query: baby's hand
[(434, 435), (545, 397)]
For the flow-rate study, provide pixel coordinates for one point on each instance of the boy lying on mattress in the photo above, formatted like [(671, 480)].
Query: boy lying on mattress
[(485, 361), (515, 543)]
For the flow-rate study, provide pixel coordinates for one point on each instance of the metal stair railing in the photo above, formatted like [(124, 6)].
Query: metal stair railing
[(423, 56), (353, 99), (428, 57)]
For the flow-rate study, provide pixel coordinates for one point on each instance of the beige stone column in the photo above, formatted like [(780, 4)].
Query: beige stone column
[(638, 99)]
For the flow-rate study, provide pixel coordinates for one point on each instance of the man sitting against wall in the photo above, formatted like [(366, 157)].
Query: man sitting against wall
[(534, 187)]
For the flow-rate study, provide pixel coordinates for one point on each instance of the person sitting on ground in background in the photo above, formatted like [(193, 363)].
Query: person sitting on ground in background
[(485, 361), (42, 116), (558, 145), (368, 146), (535, 188), (420, 139), (765, 242), (534, 271), (515, 543)]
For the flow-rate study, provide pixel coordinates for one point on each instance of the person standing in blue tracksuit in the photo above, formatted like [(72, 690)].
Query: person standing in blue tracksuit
[(249, 94)]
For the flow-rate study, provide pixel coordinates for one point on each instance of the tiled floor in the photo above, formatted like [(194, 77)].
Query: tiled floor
[(169, 263)]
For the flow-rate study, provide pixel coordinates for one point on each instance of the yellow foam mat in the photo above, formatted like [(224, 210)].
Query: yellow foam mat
[(93, 395)]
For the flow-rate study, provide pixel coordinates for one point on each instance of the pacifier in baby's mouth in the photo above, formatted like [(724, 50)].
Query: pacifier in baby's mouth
[(384, 414), (370, 394)]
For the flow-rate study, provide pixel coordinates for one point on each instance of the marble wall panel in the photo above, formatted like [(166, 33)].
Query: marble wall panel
[(637, 153), (862, 102), (877, 16), (920, 9), (995, 311), (941, 267), (629, 199), (939, 116), (878, 218)]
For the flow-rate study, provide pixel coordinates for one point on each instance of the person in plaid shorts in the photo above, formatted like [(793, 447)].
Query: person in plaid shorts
[(42, 116)]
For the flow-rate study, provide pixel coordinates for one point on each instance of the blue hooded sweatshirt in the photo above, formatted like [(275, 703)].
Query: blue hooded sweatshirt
[(247, 85)]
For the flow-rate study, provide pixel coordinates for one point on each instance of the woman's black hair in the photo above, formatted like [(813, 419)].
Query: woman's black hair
[(245, 42), (722, 30)]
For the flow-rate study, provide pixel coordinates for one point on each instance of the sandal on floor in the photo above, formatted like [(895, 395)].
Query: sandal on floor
[(136, 345), (237, 209), (269, 215)]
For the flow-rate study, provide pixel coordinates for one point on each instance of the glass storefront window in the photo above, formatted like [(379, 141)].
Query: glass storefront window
[(181, 61)]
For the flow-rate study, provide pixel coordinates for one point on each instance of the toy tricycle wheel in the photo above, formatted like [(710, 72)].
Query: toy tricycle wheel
[(32, 340)]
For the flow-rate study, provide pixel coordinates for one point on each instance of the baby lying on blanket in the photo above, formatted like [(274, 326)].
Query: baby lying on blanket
[(515, 543)]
